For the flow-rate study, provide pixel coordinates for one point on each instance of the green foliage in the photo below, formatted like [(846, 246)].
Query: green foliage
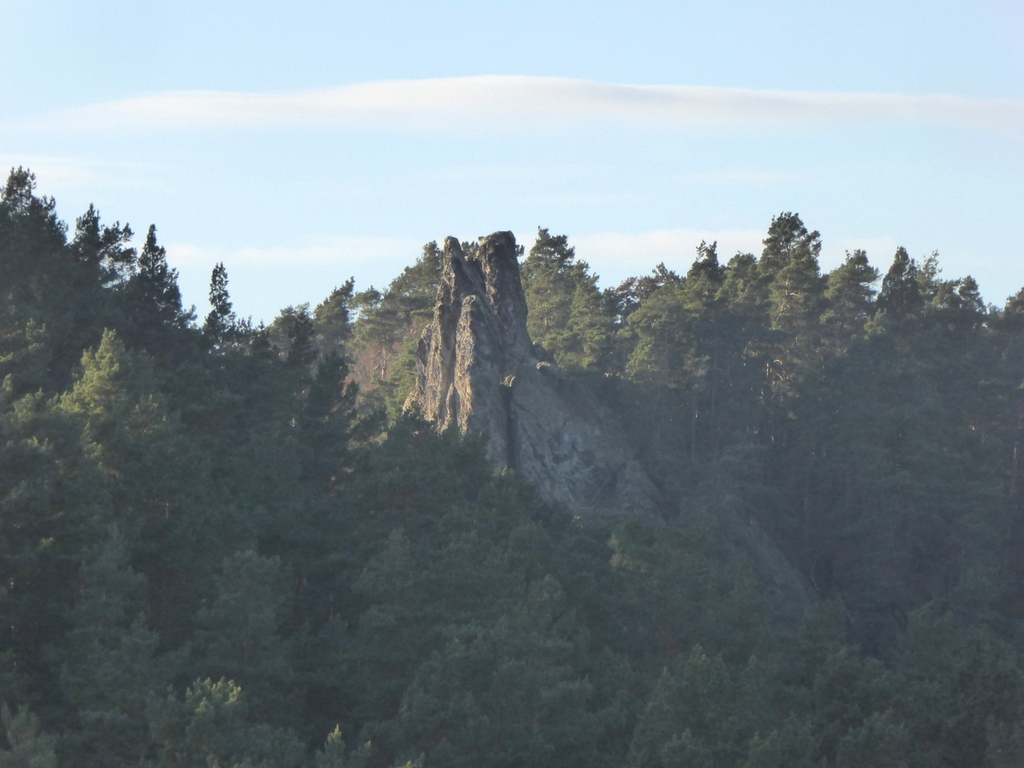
[(52, 508), (292, 333), (237, 635), (109, 665), (222, 327), (566, 310), (701, 713), (210, 726), (28, 747), (332, 320), (900, 298), (334, 754), (387, 329), (506, 692), (849, 295), (879, 742), (105, 248), (962, 685), (226, 504)]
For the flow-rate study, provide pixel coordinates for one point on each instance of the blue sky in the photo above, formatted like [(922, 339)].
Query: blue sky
[(305, 142)]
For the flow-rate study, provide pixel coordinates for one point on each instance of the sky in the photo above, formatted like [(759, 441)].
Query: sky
[(302, 143)]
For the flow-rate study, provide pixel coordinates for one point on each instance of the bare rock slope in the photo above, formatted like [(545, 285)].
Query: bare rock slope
[(478, 371)]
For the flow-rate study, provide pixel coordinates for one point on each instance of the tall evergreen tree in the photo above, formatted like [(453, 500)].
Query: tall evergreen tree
[(108, 664), (796, 296), (152, 301), (104, 249), (29, 746), (221, 326), (850, 299), (567, 314), (211, 726), (332, 319), (900, 298), (787, 238), (239, 637)]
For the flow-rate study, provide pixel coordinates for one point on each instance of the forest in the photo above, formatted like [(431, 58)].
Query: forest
[(228, 545)]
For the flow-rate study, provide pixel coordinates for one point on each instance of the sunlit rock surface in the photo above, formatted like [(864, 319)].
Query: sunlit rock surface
[(478, 371)]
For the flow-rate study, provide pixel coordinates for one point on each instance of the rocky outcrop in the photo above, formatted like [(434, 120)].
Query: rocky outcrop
[(480, 372)]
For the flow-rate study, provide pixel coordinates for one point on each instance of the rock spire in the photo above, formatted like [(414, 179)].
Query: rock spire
[(478, 371)]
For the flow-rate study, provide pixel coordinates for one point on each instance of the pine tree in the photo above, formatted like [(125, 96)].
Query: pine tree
[(47, 284), (328, 423), (126, 425), (787, 238), (566, 311), (239, 633), (211, 726), (34, 268), (850, 300), (53, 505), (881, 741), (900, 298), (104, 249), (29, 746), (151, 302), (796, 299), (386, 332), (292, 333), (334, 754), (221, 326), (109, 665), (332, 320)]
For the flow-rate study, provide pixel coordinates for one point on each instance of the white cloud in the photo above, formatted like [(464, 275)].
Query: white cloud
[(515, 102)]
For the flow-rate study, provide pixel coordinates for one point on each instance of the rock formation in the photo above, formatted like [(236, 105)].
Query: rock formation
[(478, 371)]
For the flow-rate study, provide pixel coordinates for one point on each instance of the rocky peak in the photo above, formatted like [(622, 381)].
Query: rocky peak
[(479, 371), (491, 275)]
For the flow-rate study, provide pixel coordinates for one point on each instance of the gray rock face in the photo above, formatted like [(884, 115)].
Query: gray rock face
[(478, 371)]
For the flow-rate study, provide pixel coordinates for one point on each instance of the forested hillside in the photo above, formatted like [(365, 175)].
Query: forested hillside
[(226, 545)]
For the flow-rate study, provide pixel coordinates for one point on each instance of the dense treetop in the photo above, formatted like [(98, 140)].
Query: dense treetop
[(225, 545)]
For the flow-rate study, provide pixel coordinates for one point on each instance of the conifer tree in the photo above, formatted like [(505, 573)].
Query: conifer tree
[(334, 754), (387, 330), (332, 320), (850, 300), (787, 238), (796, 298), (125, 423), (47, 284), (238, 637), (49, 492), (28, 746), (210, 726), (221, 326), (566, 312), (34, 270), (900, 298), (104, 249), (108, 664), (151, 300)]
